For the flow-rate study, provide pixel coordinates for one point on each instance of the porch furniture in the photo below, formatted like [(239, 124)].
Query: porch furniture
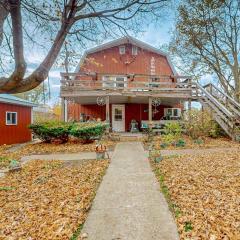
[(134, 126), (157, 125)]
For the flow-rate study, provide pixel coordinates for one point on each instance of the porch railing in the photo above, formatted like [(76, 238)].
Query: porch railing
[(138, 82)]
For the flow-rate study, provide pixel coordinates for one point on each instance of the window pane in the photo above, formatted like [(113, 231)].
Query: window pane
[(120, 81), (107, 81), (175, 112), (122, 49), (169, 111), (8, 117), (14, 118), (118, 114), (134, 50)]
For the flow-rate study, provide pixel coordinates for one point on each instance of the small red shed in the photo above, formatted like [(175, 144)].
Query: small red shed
[(15, 116)]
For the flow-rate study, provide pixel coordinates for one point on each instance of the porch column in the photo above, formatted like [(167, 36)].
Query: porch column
[(189, 104), (107, 111), (64, 110), (150, 111)]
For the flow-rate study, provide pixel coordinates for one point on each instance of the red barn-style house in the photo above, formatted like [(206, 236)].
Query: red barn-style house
[(122, 82), (15, 116)]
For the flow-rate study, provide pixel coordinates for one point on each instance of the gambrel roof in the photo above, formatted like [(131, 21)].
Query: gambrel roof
[(125, 40)]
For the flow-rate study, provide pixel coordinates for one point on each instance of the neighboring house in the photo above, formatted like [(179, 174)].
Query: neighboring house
[(15, 116), (124, 81)]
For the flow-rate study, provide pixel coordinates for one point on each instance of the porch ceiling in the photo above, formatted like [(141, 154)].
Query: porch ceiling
[(124, 99)]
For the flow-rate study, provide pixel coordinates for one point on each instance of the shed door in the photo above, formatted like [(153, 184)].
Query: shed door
[(118, 118)]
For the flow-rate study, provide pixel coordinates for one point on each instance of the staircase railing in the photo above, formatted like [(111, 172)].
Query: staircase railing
[(225, 110), (225, 99)]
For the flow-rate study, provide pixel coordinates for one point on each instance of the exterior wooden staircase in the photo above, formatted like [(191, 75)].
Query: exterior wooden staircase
[(225, 110)]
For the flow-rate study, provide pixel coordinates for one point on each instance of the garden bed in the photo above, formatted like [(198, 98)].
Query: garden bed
[(203, 193), (201, 143), (48, 199)]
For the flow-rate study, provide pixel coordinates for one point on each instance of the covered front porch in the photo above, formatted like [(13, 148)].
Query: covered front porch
[(124, 113)]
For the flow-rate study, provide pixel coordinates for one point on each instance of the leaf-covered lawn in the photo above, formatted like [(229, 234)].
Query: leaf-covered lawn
[(205, 190), (48, 148), (47, 199)]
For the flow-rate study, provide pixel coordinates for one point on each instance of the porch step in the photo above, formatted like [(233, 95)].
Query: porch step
[(130, 136)]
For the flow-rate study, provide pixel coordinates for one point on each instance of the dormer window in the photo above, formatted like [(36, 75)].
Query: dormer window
[(122, 50), (134, 50)]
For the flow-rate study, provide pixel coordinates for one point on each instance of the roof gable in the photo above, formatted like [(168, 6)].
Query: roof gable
[(125, 40)]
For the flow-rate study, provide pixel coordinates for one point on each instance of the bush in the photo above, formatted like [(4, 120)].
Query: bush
[(173, 128), (169, 139), (180, 143), (88, 131), (52, 131), (199, 124)]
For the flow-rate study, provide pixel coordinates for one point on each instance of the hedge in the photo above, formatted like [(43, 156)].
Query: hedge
[(52, 131), (88, 131), (56, 131)]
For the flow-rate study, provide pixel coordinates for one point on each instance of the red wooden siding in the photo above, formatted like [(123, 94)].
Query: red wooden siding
[(10, 134), (110, 61), (138, 112)]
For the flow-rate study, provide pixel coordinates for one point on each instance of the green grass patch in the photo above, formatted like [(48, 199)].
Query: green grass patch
[(164, 189), (6, 188), (77, 233)]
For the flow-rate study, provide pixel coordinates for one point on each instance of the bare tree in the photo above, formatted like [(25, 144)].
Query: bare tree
[(37, 95), (85, 19), (207, 39)]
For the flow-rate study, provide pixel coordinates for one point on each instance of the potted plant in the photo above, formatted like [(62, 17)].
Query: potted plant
[(100, 151)]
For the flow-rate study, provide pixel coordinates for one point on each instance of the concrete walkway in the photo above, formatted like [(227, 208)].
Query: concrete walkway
[(128, 204), (62, 156)]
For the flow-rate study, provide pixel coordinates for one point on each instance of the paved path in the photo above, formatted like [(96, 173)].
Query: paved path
[(62, 156), (128, 204)]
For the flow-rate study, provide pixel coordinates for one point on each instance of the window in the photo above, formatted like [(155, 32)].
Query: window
[(134, 50), (172, 112), (108, 81), (122, 50), (114, 81), (118, 114), (11, 118), (121, 82)]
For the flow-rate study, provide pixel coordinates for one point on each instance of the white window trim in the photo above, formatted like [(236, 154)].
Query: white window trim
[(122, 47), (134, 50), (178, 110), (9, 124)]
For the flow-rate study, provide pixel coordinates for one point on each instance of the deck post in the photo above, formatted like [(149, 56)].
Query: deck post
[(107, 112), (64, 111), (189, 104), (150, 112)]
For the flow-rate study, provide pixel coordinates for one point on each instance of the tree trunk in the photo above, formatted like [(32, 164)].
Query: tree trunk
[(4, 11)]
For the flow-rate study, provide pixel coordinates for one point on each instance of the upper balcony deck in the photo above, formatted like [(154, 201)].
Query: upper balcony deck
[(91, 84)]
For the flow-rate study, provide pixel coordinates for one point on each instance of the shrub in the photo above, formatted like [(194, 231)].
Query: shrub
[(199, 123), (52, 131), (173, 128), (88, 131), (168, 139), (180, 143)]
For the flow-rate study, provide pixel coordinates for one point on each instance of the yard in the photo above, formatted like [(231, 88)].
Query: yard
[(204, 193), (48, 199)]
